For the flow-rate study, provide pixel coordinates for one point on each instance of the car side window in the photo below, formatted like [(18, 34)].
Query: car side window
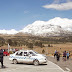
[(32, 53), (25, 54), (19, 53)]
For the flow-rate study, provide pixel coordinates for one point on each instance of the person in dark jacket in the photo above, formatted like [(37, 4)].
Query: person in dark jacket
[(55, 53), (58, 56), (64, 55), (1, 58)]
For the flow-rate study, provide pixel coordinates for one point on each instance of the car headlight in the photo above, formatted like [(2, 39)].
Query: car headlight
[(44, 55), (43, 58)]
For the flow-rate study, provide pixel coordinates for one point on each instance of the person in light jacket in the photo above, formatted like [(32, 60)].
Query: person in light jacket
[(67, 55)]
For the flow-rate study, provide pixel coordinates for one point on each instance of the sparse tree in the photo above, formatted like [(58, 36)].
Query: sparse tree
[(43, 51), (2, 41), (38, 44), (10, 42), (48, 45), (30, 45)]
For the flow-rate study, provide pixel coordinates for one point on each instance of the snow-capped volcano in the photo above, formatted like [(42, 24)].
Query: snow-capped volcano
[(53, 27), (42, 29)]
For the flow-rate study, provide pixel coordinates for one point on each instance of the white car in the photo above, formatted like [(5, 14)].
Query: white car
[(28, 56)]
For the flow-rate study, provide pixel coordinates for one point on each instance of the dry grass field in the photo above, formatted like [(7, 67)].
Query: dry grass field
[(59, 47), (48, 50), (57, 43)]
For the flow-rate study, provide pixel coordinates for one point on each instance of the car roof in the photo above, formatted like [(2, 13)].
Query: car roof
[(25, 50)]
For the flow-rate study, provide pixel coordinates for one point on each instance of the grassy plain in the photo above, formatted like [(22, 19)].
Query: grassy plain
[(58, 47), (49, 50), (57, 43)]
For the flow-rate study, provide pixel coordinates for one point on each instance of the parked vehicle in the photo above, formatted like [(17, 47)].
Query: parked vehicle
[(5, 53), (28, 56)]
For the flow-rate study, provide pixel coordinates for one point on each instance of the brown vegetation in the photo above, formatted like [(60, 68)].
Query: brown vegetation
[(46, 45)]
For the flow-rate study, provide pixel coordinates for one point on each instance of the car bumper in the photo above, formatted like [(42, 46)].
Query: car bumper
[(43, 61)]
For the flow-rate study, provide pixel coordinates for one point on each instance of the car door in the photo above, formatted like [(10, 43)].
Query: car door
[(27, 58), (19, 56)]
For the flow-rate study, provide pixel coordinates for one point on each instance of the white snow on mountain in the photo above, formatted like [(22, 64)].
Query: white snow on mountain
[(53, 27), (65, 23), (56, 26), (12, 31)]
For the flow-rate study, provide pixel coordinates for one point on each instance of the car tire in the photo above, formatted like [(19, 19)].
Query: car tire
[(36, 62), (15, 61)]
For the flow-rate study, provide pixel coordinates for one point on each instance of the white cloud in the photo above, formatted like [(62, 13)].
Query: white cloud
[(12, 31), (62, 6), (25, 12)]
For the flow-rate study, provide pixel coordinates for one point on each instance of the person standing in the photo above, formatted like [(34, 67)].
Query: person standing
[(1, 58), (68, 55), (58, 56), (55, 53), (64, 55)]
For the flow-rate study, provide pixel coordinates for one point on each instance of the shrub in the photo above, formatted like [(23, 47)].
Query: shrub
[(43, 51), (30, 45)]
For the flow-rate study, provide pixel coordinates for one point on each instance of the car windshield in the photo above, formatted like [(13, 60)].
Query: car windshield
[(35, 52)]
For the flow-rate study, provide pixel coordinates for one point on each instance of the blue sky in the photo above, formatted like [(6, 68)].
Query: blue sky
[(16, 14)]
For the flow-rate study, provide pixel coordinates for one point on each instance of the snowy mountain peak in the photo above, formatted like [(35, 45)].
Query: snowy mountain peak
[(53, 27), (43, 30), (38, 23)]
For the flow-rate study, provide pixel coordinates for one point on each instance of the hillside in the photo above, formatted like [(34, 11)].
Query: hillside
[(22, 39)]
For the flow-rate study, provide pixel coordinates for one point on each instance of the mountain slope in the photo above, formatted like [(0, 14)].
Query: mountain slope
[(54, 27), (45, 30)]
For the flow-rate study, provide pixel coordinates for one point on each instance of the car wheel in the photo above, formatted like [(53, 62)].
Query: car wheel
[(15, 61), (36, 62)]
